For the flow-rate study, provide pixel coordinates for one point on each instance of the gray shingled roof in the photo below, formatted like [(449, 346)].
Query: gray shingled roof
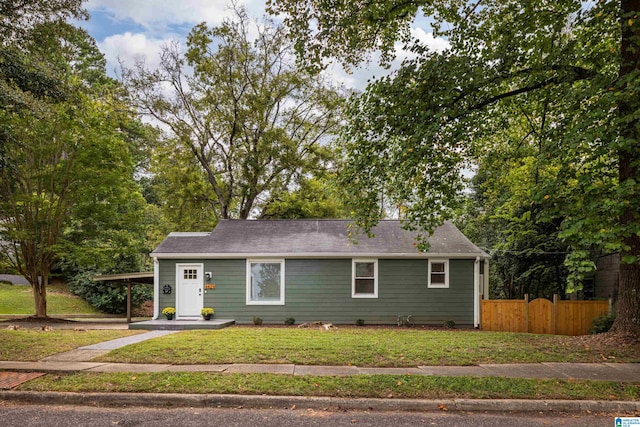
[(313, 237)]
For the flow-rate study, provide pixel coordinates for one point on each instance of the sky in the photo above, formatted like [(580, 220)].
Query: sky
[(130, 29)]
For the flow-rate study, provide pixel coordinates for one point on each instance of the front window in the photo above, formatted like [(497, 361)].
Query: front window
[(265, 282), (438, 273), (365, 279)]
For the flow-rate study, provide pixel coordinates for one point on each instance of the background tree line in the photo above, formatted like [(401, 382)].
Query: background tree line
[(539, 100)]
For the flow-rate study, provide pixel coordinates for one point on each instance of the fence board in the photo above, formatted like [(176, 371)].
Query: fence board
[(575, 317), (541, 316), (504, 315)]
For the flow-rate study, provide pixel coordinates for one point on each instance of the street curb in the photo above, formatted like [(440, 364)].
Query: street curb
[(174, 400)]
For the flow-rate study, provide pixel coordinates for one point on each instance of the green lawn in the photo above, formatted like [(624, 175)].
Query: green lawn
[(31, 345), (392, 347), (18, 299), (382, 386)]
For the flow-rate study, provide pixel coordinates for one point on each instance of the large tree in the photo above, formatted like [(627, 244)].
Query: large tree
[(67, 172), (425, 118), (237, 104)]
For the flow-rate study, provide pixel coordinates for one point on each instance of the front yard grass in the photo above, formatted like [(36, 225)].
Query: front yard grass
[(18, 299), (366, 347), (381, 386), (30, 345)]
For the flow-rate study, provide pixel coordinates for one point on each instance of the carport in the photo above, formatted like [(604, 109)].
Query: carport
[(140, 278)]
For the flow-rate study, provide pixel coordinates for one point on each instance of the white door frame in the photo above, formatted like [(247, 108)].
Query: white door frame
[(197, 300)]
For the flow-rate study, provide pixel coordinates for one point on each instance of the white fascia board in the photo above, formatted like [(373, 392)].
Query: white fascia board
[(315, 255)]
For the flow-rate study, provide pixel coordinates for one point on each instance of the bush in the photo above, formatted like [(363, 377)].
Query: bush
[(359, 322), (405, 321), (449, 324), (108, 298), (257, 320), (289, 321), (602, 324)]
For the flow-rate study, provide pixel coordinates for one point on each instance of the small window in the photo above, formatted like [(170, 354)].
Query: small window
[(365, 279), (265, 282), (438, 273), (190, 274)]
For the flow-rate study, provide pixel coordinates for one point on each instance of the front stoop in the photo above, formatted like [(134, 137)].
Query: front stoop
[(181, 325)]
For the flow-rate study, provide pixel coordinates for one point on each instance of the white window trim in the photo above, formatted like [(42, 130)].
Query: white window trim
[(249, 301), (446, 274), (353, 278)]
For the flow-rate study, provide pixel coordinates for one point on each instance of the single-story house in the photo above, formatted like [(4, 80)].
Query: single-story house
[(313, 270)]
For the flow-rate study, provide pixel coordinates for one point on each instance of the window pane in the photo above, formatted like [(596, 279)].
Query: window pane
[(365, 286), (437, 267), (265, 281), (364, 269), (437, 279)]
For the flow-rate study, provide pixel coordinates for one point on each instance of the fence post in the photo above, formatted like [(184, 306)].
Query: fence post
[(526, 310), (555, 314)]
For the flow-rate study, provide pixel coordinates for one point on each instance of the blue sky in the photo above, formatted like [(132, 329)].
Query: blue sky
[(130, 29)]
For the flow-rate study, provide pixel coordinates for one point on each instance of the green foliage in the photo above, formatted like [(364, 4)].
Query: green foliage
[(251, 125), (289, 321), (108, 298), (602, 324), (449, 324), (257, 320), (405, 321), (67, 189), (314, 198), (559, 80), (359, 322)]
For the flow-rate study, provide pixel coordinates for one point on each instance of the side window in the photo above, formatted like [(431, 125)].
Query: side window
[(438, 273), (365, 278)]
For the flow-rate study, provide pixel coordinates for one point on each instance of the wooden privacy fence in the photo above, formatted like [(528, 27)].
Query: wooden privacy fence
[(541, 316)]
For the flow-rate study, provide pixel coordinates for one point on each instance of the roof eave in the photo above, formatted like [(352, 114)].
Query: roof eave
[(160, 255)]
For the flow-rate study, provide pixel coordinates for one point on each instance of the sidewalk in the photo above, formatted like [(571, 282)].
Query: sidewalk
[(79, 360)]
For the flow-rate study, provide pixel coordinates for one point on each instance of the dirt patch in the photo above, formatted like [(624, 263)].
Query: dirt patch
[(145, 310), (34, 319), (607, 340)]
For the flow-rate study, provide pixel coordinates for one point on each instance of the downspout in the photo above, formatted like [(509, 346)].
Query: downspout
[(156, 288), (476, 293)]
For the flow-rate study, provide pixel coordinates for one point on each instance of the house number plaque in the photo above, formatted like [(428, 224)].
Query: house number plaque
[(209, 286)]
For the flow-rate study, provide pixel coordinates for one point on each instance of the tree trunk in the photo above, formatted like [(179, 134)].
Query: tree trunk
[(40, 297), (628, 315)]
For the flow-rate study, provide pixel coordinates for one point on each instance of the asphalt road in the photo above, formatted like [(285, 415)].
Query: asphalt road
[(32, 415)]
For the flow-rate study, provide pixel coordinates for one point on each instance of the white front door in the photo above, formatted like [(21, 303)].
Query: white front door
[(190, 283)]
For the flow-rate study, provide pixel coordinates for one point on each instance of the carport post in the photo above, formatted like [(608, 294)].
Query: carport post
[(128, 301)]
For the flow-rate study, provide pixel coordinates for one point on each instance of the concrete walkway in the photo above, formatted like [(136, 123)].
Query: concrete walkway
[(81, 358), (622, 372)]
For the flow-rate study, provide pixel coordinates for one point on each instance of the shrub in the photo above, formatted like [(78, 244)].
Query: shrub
[(602, 324), (108, 298), (449, 324), (405, 321), (289, 321), (359, 322), (257, 320)]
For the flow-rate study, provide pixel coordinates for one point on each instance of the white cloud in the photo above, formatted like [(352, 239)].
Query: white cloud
[(157, 15), (128, 48), (426, 39)]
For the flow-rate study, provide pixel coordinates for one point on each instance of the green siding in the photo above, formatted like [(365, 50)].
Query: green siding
[(320, 289)]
